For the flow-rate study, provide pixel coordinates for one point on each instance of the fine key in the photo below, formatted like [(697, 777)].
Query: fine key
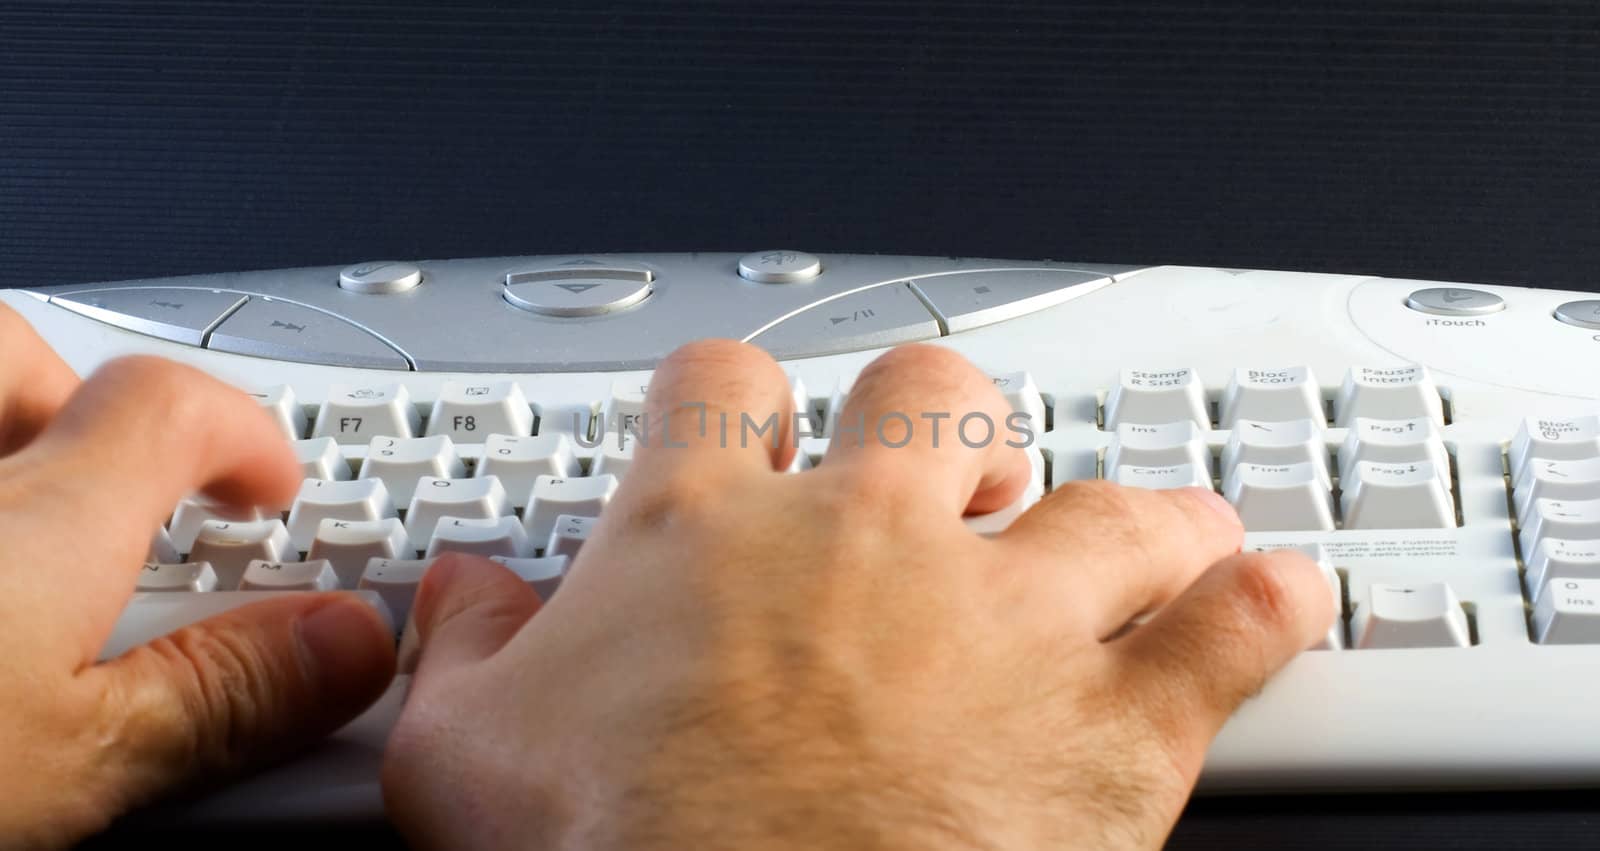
[(1425, 614), (1280, 497)]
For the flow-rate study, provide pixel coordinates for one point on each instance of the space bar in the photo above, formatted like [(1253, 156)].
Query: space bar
[(151, 615)]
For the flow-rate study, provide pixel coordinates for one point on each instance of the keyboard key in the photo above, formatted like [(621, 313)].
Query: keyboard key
[(395, 580), (1162, 478), (230, 546), (1554, 439), (191, 513), (183, 576), (624, 407), (997, 521), (1277, 444), (804, 424), (1552, 479), (517, 461), (1153, 397), (1425, 614), (1561, 558), (319, 500), (1023, 395), (1161, 445), (1396, 496), (1279, 497), (279, 401), (149, 616), (613, 460), (313, 575), (544, 574), (440, 497), (492, 536), (836, 401), (162, 550), (1388, 393), (400, 462), (554, 496), (349, 544), (356, 414), (1568, 612), (320, 458), (1272, 395), (569, 534), (1413, 441), (467, 412), (1333, 639), (1572, 519)]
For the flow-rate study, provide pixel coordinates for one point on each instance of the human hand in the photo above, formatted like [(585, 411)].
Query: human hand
[(742, 658), (88, 472)]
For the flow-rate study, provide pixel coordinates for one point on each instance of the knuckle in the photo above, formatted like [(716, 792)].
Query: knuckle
[(1262, 589), (228, 693)]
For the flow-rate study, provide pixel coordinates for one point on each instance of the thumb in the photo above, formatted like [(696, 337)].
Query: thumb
[(467, 608), (244, 688), (1216, 645)]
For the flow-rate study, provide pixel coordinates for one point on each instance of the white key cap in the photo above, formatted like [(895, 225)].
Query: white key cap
[(1388, 393), (1552, 479), (1023, 395), (1157, 396), (194, 511), (569, 534), (1162, 478), (1573, 519), (836, 402), (357, 414), (1394, 442), (554, 496), (1272, 396), (280, 403), (1554, 439), (1277, 444), (1561, 558), (492, 536), (1425, 614), (801, 462), (149, 616), (395, 580), (320, 458), (622, 410), (804, 423), (400, 462), (440, 497), (231, 546), (184, 576), (517, 461), (469, 411), (1333, 639), (1278, 497), (996, 521), (613, 460), (1568, 613), (1396, 496), (349, 544), (1161, 445), (315, 575), (544, 574), (319, 500), (162, 550)]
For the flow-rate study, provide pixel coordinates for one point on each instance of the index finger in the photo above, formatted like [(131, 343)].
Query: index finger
[(140, 434), (34, 381)]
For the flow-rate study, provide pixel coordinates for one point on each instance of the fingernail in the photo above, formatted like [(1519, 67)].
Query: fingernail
[(1215, 501), (347, 651)]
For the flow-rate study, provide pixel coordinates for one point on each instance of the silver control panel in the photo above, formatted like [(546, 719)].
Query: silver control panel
[(581, 313)]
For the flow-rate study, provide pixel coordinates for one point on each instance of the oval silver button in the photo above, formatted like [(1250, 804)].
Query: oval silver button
[(779, 267), (381, 277), (1455, 301), (576, 297), (1584, 313)]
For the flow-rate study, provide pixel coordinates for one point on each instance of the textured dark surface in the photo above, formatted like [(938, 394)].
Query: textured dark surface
[(1404, 137), (1418, 138)]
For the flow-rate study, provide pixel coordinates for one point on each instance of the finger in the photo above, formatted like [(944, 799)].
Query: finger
[(239, 690), (1115, 552), (34, 381), (137, 436), (716, 405), (467, 608), (924, 417), (1218, 643)]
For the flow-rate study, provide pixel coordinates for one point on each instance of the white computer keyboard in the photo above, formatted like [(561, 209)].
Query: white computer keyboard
[(1435, 445)]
